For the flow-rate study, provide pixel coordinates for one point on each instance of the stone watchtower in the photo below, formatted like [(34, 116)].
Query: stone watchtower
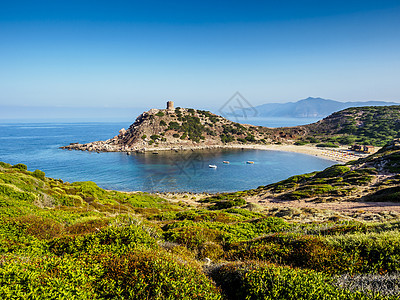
[(170, 105)]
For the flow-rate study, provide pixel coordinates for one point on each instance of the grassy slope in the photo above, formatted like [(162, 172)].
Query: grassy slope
[(375, 178), (371, 125), (77, 241)]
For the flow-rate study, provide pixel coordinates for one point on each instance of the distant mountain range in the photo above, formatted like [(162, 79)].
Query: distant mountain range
[(310, 108)]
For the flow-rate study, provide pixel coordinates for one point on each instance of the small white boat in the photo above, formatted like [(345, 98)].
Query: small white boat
[(249, 162), (212, 166)]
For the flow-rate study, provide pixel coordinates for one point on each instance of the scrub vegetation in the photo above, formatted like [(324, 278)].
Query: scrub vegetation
[(61, 240), (374, 178), (188, 127), (373, 125)]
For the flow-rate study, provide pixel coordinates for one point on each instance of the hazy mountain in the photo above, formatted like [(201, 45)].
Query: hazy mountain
[(311, 107)]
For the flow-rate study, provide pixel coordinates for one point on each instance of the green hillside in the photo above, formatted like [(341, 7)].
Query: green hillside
[(64, 240), (374, 178), (371, 125)]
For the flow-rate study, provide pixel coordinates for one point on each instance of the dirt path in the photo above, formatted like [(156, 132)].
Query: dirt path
[(373, 207)]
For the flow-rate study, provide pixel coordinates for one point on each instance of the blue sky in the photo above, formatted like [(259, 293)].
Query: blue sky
[(138, 54)]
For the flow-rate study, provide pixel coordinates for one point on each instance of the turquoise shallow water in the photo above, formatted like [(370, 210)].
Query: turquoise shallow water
[(37, 145)]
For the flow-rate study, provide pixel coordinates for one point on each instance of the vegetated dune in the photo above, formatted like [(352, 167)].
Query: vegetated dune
[(78, 241)]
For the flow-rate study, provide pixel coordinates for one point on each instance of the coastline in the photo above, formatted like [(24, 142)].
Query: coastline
[(332, 154), (339, 155)]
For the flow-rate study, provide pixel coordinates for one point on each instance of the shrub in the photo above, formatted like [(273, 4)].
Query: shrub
[(226, 138), (313, 140), (229, 203), (153, 275), (116, 239), (139, 274), (14, 193), (268, 281), (192, 126), (5, 165), (160, 114), (297, 251), (39, 174), (162, 123), (391, 194), (193, 237), (308, 191), (39, 227), (334, 171), (174, 126), (21, 167), (250, 138), (294, 179), (71, 200), (372, 252), (301, 143), (87, 189), (89, 226), (331, 145), (210, 250)]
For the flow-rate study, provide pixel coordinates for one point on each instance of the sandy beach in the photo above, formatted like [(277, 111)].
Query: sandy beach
[(334, 154), (340, 154)]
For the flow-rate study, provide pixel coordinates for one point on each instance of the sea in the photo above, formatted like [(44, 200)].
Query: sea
[(37, 145)]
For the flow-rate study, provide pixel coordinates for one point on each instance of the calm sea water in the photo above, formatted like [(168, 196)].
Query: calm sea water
[(37, 146), (275, 122)]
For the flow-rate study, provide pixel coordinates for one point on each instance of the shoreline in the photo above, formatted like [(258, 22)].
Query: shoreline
[(327, 153), (331, 154), (339, 155)]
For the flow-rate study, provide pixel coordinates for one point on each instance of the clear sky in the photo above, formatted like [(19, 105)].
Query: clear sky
[(134, 54)]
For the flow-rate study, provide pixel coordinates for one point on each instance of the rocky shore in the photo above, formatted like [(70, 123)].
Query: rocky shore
[(334, 154)]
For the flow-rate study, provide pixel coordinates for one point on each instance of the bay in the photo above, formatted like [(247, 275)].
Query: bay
[(37, 146)]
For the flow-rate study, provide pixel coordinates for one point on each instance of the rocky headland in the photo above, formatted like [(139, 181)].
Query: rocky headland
[(190, 129)]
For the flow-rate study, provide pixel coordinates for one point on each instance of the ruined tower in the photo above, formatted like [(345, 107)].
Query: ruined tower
[(170, 105)]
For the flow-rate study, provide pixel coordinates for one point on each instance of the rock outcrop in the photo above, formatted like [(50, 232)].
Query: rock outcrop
[(183, 128)]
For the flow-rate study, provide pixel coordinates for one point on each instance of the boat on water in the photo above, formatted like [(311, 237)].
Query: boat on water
[(226, 162), (249, 162), (212, 166)]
